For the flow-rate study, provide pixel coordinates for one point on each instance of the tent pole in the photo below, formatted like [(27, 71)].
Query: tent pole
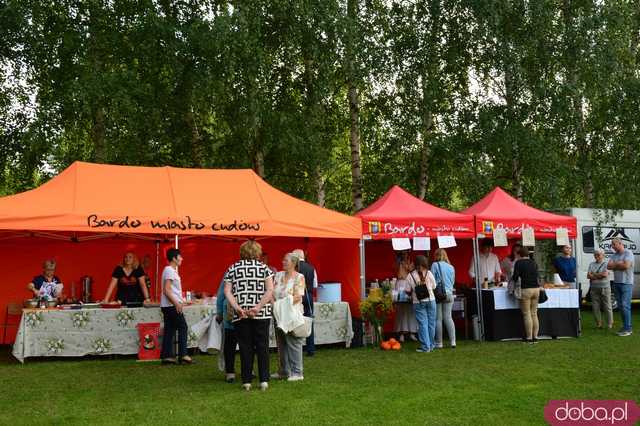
[(476, 267), (176, 245), (362, 271), (578, 285), (157, 268)]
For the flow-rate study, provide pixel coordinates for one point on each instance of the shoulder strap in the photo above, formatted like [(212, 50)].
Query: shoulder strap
[(440, 274)]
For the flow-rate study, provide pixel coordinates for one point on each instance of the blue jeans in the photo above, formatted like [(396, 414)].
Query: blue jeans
[(623, 296), (426, 317)]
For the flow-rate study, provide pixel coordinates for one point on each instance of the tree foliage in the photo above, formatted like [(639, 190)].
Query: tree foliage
[(451, 98)]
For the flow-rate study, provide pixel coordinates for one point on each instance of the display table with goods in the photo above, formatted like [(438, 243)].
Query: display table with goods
[(71, 332), (559, 316)]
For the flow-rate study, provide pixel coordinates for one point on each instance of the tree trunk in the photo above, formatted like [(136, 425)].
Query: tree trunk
[(257, 150), (427, 129), (354, 107), (97, 134), (354, 139), (511, 83), (577, 100), (197, 147), (320, 184)]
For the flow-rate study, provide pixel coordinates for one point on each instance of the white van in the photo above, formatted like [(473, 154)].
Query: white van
[(596, 229)]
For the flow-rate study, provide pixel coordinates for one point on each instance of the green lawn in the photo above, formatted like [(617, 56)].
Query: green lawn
[(489, 383)]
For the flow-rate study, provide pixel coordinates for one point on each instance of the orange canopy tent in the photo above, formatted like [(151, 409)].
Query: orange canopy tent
[(126, 199), (90, 214)]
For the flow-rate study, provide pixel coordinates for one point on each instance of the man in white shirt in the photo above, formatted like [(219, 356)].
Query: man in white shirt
[(488, 263)]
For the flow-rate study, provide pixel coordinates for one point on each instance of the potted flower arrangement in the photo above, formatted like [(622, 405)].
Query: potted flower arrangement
[(375, 309)]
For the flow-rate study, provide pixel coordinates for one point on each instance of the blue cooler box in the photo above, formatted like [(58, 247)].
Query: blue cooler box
[(329, 292)]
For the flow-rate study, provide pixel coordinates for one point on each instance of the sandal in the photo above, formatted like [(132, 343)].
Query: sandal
[(187, 360)]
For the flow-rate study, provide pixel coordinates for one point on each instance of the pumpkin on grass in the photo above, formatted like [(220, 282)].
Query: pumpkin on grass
[(385, 346)]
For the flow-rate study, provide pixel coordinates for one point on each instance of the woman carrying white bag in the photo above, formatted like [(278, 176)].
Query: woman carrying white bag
[(288, 292)]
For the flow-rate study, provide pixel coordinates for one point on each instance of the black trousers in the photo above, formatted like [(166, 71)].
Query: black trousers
[(173, 321), (230, 342), (253, 338)]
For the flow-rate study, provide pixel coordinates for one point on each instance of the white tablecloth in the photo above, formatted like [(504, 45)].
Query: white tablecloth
[(81, 332), (70, 333), (558, 298)]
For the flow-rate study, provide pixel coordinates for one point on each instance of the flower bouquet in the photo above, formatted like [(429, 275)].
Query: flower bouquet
[(375, 309)]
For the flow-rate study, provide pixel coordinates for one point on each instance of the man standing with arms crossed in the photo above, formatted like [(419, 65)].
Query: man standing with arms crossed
[(311, 280), (621, 262)]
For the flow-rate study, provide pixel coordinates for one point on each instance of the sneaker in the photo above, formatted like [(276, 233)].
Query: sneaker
[(534, 340), (453, 346), (401, 338), (264, 386), (246, 386), (438, 346), (624, 333), (295, 378), (413, 337), (230, 378), (420, 350), (278, 376)]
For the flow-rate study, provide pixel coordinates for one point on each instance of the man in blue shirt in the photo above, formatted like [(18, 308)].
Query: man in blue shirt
[(565, 266), (621, 262), (229, 336)]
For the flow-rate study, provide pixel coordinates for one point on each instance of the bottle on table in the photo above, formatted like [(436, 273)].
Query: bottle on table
[(485, 283)]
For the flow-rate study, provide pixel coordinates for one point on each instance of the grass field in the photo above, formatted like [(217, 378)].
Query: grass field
[(477, 383)]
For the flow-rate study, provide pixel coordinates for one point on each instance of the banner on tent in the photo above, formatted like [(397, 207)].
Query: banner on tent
[(378, 230), (182, 224)]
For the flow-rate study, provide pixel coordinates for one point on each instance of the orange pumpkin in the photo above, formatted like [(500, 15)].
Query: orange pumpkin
[(396, 346), (385, 346), (392, 341)]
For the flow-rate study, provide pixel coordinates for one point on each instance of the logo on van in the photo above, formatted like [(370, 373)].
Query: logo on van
[(619, 233)]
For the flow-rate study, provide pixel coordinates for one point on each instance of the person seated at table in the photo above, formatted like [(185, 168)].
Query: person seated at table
[(129, 278), (46, 285), (565, 266), (509, 261), (488, 263), (405, 320)]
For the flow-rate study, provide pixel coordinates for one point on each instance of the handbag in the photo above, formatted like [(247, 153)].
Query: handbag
[(304, 329), (514, 288), (422, 292), (542, 297), (440, 293)]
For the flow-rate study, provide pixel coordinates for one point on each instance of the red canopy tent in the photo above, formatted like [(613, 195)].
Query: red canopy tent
[(399, 214), (500, 210)]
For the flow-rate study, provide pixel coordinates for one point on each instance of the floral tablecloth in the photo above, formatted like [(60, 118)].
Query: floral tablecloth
[(71, 333), (101, 331)]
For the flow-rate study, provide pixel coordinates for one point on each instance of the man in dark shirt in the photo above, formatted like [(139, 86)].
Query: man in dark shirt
[(311, 279)]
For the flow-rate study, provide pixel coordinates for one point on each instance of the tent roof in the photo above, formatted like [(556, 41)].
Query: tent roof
[(502, 209), (89, 197), (400, 209)]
